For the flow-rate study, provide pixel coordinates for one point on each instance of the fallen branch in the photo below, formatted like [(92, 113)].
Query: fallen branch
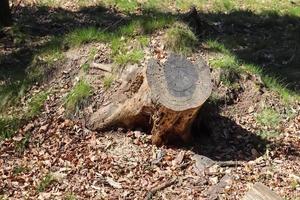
[(160, 187), (229, 163)]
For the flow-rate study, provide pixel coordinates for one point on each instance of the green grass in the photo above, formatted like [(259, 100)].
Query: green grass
[(268, 134), (108, 81), (226, 60), (268, 117), (10, 93), (134, 56), (46, 182), (179, 38), (70, 196), (295, 11), (216, 46), (77, 96), (36, 104), (85, 67), (8, 126), (19, 169)]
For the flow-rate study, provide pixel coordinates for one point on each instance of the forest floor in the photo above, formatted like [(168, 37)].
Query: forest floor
[(49, 79)]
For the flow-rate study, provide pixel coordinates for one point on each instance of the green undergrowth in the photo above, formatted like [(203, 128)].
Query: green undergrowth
[(46, 182), (77, 96), (8, 126), (108, 81), (127, 41), (226, 60), (36, 104), (268, 117), (179, 38)]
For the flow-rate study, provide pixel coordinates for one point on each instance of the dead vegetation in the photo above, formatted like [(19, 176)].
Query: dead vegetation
[(251, 119)]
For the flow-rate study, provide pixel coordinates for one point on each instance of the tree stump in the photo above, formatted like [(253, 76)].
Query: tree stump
[(164, 99)]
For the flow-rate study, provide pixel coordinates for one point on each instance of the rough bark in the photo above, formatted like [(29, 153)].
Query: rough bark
[(5, 15), (164, 99)]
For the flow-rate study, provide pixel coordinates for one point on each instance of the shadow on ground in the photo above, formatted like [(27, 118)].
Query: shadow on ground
[(269, 40), (220, 138)]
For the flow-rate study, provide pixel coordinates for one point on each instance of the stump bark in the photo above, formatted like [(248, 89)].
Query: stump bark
[(164, 98)]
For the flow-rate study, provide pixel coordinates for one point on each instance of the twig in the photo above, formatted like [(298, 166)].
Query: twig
[(229, 163), (160, 187)]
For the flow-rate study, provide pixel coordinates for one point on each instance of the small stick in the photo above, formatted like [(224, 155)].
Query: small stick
[(160, 187), (229, 163)]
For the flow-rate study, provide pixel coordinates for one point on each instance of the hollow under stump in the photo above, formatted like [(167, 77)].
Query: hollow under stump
[(164, 99)]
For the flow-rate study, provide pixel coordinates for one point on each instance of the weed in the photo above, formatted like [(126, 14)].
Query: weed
[(77, 96), (46, 182), (268, 117), (36, 103), (181, 39), (108, 81)]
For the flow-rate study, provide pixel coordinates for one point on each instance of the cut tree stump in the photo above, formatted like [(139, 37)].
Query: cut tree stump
[(164, 99)]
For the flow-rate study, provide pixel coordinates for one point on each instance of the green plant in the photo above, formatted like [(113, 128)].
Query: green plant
[(46, 182), (134, 56), (108, 81), (268, 134), (214, 45), (19, 169), (85, 67), (180, 38), (77, 96), (8, 126), (70, 196), (225, 61), (36, 103), (268, 117)]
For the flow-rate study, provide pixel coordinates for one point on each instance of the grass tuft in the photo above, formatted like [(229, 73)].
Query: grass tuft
[(108, 81), (268, 117), (77, 96), (46, 182), (19, 169), (268, 134), (134, 56), (36, 103), (70, 196), (179, 38), (8, 126)]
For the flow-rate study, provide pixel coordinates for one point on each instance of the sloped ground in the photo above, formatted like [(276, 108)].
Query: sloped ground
[(53, 156)]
